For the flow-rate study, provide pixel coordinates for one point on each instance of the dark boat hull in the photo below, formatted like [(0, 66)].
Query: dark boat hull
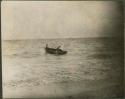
[(55, 51)]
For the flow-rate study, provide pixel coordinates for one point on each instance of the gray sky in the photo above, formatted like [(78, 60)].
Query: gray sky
[(59, 19)]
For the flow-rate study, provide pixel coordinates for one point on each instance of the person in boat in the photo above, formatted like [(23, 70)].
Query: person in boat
[(58, 48), (46, 45)]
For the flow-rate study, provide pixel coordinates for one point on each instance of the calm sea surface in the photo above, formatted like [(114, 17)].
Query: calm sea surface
[(91, 68)]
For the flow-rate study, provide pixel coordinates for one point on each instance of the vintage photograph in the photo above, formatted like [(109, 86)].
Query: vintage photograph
[(62, 49)]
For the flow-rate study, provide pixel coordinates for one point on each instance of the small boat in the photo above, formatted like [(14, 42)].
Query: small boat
[(55, 51)]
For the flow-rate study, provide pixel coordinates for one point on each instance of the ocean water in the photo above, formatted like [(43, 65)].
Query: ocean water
[(93, 67)]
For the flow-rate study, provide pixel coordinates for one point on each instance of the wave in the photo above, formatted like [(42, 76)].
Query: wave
[(25, 54), (103, 55)]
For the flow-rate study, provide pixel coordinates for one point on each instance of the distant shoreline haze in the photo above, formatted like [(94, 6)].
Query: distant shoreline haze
[(113, 37)]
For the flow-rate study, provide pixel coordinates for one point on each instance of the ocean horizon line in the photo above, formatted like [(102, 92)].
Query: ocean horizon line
[(58, 38)]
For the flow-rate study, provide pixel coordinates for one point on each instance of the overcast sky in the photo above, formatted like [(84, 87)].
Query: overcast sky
[(60, 19)]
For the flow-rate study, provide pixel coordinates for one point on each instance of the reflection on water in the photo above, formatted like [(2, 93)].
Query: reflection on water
[(92, 68)]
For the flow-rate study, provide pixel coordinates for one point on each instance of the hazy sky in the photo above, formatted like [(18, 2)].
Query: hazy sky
[(60, 19)]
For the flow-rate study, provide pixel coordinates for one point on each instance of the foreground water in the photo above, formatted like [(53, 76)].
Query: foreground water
[(93, 67)]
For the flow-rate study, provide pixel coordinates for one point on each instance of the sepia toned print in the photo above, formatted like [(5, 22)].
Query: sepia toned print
[(62, 49)]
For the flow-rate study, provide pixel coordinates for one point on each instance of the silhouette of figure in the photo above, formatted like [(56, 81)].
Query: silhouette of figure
[(46, 45), (58, 47)]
